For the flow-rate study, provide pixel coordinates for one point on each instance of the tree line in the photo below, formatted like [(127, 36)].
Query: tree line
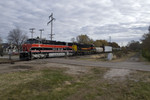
[(146, 45), (143, 46), (98, 43)]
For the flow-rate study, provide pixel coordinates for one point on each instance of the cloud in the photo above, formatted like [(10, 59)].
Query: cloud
[(123, 20)]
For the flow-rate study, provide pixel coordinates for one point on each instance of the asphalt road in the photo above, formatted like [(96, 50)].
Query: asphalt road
[(14, 57), (129, 64), (132, 63)]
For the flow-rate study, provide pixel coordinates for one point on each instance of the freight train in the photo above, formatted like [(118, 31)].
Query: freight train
[(40, 48)]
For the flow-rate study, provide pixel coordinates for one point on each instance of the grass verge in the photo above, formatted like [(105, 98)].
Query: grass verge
[(54, 84), (37, 85)]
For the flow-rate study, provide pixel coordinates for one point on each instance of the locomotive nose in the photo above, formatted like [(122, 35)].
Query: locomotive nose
[(24, 47)]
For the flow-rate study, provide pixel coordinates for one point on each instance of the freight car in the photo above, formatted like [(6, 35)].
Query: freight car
[(37, 48)]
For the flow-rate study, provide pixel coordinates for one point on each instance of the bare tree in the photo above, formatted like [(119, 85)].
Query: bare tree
[(1, 40), (17, 37), (1, 48), (73, 40)]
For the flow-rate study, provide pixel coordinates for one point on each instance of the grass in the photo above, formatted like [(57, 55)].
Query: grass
[(123, 57), (54, 84), (103, 57), (135, 87), (95, 57), (36, 85), (142, 59)]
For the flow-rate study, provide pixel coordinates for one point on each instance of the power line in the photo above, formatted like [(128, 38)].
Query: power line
[(51, 21), (32, 31)]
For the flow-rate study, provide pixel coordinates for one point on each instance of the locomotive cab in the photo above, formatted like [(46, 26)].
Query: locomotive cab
[(25, 54)]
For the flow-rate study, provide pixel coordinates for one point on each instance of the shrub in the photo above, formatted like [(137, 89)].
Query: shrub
[(146, 54)]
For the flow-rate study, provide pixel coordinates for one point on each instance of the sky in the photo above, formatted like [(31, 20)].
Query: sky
[(122, 20)]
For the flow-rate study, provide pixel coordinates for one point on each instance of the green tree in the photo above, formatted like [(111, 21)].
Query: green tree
[(114, 45), (146, 45), (84, 39), (146, 41), (99, 43), (134, 45)]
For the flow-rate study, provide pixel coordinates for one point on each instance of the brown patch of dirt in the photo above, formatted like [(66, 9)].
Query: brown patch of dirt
[(98, 56), (42, 64), (117, 74), (70, 69), (21, 67)]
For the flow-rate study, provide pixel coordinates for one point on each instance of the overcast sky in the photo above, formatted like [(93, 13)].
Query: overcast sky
[(123, 20)]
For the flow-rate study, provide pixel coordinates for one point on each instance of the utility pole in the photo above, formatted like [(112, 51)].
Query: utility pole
[(51, 21), (149, 29), (41, 32), (10, 51), (32, 29), (110, 39), (110, 55)]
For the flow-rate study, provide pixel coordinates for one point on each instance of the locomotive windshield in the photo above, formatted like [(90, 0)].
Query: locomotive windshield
[(31, 41)]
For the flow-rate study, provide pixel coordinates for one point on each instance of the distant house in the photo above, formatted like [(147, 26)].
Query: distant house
[(4, 47), (7, 48)]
